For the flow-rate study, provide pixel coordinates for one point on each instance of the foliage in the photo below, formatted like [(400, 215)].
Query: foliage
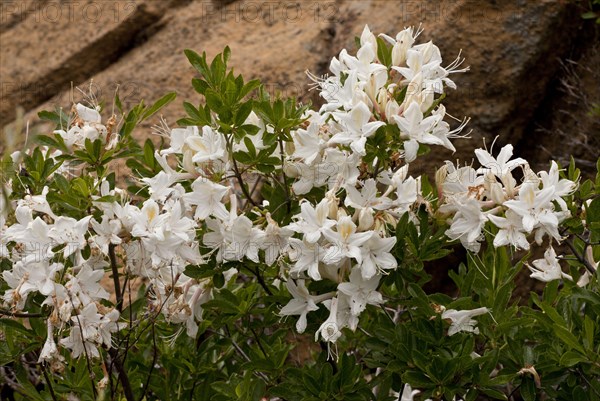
[(273, 251)]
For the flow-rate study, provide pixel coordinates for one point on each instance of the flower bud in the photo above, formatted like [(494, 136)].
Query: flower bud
[(497, 193), (440, 178), (365, 219)]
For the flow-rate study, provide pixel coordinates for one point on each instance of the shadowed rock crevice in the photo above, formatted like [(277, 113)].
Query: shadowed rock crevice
[(13, 13), (85, 61), (571, 129)]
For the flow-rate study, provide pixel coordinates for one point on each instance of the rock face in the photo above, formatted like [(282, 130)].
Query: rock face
[(512, 46)]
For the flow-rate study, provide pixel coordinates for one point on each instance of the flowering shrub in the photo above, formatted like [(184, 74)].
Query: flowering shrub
[(272, 251)]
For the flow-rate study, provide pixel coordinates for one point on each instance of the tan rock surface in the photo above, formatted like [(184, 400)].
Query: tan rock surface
[(513, 48)]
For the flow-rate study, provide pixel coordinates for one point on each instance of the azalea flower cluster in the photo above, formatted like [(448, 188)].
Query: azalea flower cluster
[(195, 212), (156, 240), (535, 207), (363, 96), (346, 237), (42, 243)]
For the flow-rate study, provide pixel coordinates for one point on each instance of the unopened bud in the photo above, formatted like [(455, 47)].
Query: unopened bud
[(365, 219), (497, 193)]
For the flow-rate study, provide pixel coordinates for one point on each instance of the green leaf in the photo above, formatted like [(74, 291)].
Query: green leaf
[(588, 326), (47, 141), (226, 54), (384, 52), (589, 15), (568, 338), (495, 394), (571, 358), (593, 211), (243, 112), (118, 103), (417, 379), (199, 63), (10, 324), (218, 280), (528, 389), (80, 186), (149, 153), (249, 87), (160, 103)]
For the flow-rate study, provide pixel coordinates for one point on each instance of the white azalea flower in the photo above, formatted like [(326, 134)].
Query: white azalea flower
[(562, 187), (49, 350), (161, 186), (548, 269), (235, 238), (330, 330), (362, 292), (404, 40), (107, 233), (356, 128), (27, 276), (178, 137), (511, 230), (345, 241), (88, 114), (276, 240), (532, 206), (367, 197), (462, 320), (417, 130), (501, 165), (308, 144), (408, 393), (68, 231), (37, 203), (467, 224), (312, 221), (301, 304), (306, 256), (32, 233), (210, 145), (376, 256), (85, 287), (84, 333), (207, 197)]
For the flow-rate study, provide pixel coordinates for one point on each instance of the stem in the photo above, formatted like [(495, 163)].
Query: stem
[(154, 355), (114, 355), (285, 182), (115, 272), (261, 281), (580, 257), (48, 382), (4, 312), (510, 396), (243, 354), (238, 176), (122, 375), (376, 169), (258, 342)]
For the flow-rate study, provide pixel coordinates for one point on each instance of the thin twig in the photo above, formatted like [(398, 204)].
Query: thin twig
[(115, 272), (4, 312), (48, 381), (154, 355), (243, 354), (239, 178), (580, 257), (127, 392), (258, 342), (114, 354), (261, 281), (285, 181)]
